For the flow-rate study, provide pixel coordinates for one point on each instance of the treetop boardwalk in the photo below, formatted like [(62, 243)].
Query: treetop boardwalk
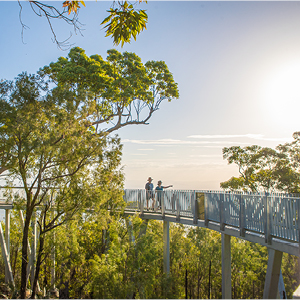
[(269, 219)]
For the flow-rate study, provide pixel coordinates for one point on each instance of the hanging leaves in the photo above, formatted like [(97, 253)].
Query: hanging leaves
[(73, 6), (125, 22)]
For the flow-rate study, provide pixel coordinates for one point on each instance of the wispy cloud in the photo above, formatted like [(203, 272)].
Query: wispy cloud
[(204, 155), (225, 136), (178, 165), (177, 142), (145, 149), (248, 135)]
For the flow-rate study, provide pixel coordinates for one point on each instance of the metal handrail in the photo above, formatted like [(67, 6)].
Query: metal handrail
[(273, 215)]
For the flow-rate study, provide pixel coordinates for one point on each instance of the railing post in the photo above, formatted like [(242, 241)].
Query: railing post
[(196, 209), (141, 202), (206, 210), (267, 227), (242, 220), (221, 207), (177, 208), (163, 207), (173, 202), (270, 222)]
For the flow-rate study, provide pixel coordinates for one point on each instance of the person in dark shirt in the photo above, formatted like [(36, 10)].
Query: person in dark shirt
[(159, 190), (149, 192)]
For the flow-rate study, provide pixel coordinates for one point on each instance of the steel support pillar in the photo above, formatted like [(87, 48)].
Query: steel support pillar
[(33, 247), (29, 249), (226, 266), (281, 287), (7, 242), (5, 257), (166, 237), (53, 265), (273, 273)]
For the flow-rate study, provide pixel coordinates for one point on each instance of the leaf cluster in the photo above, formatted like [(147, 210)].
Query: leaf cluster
[(73, 6), (124, 22)]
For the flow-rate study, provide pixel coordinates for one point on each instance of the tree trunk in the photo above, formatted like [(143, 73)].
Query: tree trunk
[(38, 265), (186, 284), (209, 282), (25, 255)]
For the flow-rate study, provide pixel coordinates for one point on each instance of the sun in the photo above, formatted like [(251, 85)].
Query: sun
[(282, 93)]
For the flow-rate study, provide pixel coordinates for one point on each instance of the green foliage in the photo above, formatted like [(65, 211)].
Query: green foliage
[(121, 89), (102, 255), (132, 265), (54, 139), (203, 257), (265, 169), (249, 264), (290, 273), (125, 22)]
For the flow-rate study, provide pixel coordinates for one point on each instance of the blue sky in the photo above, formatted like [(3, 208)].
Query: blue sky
[(237, 65)]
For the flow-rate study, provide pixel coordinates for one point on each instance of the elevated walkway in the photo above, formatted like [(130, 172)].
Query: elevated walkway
[(271, 220)]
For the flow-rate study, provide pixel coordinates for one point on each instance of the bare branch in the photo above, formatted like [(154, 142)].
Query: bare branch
[(22, 24), (50, 13)]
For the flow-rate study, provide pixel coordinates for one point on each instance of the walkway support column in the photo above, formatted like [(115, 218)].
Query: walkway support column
[(53, 289), (5, 257), (33, 247), (226, 266), (7, 241), (166, 233), (273, 273)]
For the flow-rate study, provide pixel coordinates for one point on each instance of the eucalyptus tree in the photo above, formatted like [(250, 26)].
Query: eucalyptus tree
[(265, 169), (259, 168), (115, 92), (55, 132)]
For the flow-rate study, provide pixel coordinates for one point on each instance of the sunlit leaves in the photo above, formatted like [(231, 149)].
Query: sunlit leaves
[(73, 6), (124, 22), (120, 90)]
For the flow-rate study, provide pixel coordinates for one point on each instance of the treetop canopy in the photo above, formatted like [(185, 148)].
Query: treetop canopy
[(114, 90)]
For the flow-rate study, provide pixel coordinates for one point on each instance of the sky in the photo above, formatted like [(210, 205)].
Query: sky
[(237, 65)]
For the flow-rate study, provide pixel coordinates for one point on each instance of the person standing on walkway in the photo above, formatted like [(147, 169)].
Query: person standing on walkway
[(149, 192), (159, 190)]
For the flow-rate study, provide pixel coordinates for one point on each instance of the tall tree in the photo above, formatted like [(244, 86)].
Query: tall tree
[(54, 131), (50, 146), (264, 169)]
